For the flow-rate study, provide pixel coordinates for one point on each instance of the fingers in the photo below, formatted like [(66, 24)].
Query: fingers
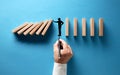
[(66, 48), (66, 52), (64, 44)]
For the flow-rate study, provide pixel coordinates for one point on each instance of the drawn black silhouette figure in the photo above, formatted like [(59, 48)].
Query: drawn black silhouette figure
[(60, 23)]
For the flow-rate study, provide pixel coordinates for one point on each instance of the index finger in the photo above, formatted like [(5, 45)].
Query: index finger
[(64, 44)]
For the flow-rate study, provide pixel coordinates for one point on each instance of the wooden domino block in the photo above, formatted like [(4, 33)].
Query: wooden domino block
[(92, 27), (29, 29), (36, 28), (41, 28), (83, 27), (23, 29), (67, 27), (75, 26), (100, 27), (19, 27), (46, 28)]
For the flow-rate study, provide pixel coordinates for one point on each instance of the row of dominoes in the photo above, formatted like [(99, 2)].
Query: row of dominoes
[(92, 28), (33, 28)]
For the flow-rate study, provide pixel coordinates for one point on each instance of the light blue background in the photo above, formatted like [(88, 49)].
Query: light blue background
[(34, 55)]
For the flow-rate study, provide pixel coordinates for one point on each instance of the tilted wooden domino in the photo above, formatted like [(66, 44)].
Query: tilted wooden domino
[(75, 27), (100, 27), (35, 29), (42, 27), (67, 27), (47, 26), (29, 29), (19, 27), (92, 27), (23, 29), (83, 27)]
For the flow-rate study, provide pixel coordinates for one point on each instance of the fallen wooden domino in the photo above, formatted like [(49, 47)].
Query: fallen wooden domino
[(32, 28), (83, 27), (41, 28), (23, 29), (46, 28), (29, 29), (100, 27), (19, 27), (92, 27), (67, 27), (36, 28), (75, 27)]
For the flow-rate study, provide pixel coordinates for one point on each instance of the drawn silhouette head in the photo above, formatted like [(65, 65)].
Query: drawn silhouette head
[(59, 19)]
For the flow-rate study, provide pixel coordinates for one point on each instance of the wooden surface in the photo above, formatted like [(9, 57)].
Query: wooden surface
[(41, 28), (83, 27), (100, 27), (23, 29), (19, 27), (75, 27), (29, 29), (36, 28), (67, 27), (92, 27), (46, 28)]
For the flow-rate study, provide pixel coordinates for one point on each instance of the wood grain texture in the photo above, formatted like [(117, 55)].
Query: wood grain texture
[(46, 28), (92, 27), (36, 28), (29, 29), (19, 27), (67, 27), (83, 27), (23, 29), (41, 28), (75, 27), (100, 27)]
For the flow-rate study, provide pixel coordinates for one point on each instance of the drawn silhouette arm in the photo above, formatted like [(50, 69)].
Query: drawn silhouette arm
[(62, 22), (55, 21)]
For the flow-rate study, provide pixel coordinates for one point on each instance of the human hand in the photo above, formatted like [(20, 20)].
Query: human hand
[(66, 52)]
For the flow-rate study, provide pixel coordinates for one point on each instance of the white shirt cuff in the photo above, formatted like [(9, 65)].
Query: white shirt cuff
[(60, 69)]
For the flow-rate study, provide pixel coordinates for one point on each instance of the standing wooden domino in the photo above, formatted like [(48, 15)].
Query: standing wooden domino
[(35, 29), (75, 26), (42, 27), (46, 28), (83, 27), (23, 29), (100, 27), (67, 27), (19, 27), (29, 29), (92, 27)]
